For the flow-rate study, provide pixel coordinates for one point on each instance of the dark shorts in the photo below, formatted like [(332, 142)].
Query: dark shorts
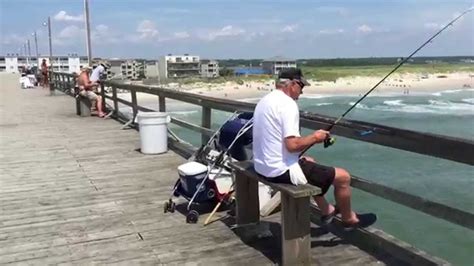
[(317, 174)]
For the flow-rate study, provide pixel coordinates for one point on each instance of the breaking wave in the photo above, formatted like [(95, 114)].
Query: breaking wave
[(431, 107)]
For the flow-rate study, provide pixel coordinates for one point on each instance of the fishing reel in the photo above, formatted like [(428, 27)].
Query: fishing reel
[(328, 141)]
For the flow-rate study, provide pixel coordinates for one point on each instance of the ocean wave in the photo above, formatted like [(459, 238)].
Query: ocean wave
[(433, 107), (394, 103), (314, 96), (468, 100), (450, 91), (252, 100), (360, 105), (183, 112), (322, 104)]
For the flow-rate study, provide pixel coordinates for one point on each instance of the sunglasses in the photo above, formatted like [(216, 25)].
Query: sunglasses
[(301, 84)]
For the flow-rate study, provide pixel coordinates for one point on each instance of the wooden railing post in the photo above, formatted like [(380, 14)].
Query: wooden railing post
[(206, 122), (114, 96), (134, 103), (246, 191), (52, 77), (69, 85), (102, 94), (161, 103)]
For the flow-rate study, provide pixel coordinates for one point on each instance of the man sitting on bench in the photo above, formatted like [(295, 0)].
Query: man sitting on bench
[(277, 144), (87, 88)]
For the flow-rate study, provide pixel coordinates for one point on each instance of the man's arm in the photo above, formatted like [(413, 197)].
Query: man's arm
[(297, 144)]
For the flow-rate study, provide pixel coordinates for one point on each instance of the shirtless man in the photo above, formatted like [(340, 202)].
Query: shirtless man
[(86, 89)]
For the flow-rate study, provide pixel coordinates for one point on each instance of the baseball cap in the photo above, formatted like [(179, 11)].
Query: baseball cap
[(293, 74)]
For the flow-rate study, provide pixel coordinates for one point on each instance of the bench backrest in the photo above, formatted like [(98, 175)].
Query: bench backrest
[(246, 168)]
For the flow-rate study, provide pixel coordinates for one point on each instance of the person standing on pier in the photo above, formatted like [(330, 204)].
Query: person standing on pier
[(87, 89), (44, 74), (98, 73), (277, 144)]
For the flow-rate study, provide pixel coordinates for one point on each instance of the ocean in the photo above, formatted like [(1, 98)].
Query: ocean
[(450, 112)]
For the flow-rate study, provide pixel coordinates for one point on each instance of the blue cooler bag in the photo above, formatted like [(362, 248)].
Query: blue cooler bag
[(191, 175)]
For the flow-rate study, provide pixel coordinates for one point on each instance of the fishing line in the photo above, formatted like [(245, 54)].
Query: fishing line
[(329, 140)]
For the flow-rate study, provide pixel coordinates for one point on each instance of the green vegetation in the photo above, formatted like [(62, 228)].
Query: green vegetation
[(333, 73)]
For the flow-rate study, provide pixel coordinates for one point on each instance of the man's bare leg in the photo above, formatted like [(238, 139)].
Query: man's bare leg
[(324, 205), (342, 193), (100, 113)]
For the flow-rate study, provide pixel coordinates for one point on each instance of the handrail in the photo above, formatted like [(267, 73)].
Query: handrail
[(445, 147)]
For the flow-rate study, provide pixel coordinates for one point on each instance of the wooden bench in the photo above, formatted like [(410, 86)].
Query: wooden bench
[(83, 106), (295, 217)]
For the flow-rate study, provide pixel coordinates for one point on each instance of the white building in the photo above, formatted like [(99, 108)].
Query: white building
[(70, 63), (209, 68), (151, 69), (178, 66), (275, 64), (133, 69)]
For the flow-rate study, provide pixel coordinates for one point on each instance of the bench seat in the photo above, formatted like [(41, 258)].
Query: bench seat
[(295, 217)]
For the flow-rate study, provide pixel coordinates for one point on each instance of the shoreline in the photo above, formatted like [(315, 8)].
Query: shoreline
[(396, 85)]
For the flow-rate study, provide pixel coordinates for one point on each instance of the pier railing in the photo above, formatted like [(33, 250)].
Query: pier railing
[(445, 147)]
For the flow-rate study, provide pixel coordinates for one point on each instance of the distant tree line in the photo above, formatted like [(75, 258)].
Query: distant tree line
[(369, 61)]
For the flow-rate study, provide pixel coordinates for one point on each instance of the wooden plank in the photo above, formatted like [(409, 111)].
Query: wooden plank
[(248, 210), (445, 147), (295, 224), (246, 168), (204, 131), (432, 208)]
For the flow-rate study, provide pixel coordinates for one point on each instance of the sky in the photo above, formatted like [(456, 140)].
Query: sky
[(240, 28)]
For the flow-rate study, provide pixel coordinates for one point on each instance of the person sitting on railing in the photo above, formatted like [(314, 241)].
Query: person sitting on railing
[(277, 144), (87, 89)]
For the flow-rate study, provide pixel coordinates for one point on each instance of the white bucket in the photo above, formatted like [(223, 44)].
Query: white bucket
[(153, 132)]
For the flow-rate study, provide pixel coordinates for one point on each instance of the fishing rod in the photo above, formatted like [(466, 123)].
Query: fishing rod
[(330, 140)]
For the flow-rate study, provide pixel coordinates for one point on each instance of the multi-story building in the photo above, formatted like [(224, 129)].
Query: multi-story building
[(151, 69), (133, 69), (275, 64), (209, 68), (178, 66), (115, 68), (13, 63)]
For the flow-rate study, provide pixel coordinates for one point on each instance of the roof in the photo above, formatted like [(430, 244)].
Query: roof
[(278, 59)]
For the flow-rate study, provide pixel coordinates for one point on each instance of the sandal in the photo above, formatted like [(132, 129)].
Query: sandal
[(327, 219), (365, 220)]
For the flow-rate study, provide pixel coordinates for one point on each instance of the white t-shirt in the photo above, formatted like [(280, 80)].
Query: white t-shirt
[(276, 117), (95, 76)]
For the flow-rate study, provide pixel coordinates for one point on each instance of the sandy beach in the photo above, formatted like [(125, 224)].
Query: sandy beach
[(397, 84)]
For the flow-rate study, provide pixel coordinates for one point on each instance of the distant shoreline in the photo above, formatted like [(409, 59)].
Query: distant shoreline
[(403, 84)]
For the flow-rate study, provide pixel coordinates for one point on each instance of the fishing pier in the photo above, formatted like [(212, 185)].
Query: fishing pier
[(76, 190)]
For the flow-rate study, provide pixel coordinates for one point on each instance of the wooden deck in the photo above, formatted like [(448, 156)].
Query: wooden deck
[(76, 190)]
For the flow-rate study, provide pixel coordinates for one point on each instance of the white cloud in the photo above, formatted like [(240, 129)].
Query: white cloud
[(364, 29), (147, 30), (333, 10), (227, 31), (331, 31), (13, 39), (70, 32), (181, 35), (432, 25), (289, 28), (63, 16), (103, 34)]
